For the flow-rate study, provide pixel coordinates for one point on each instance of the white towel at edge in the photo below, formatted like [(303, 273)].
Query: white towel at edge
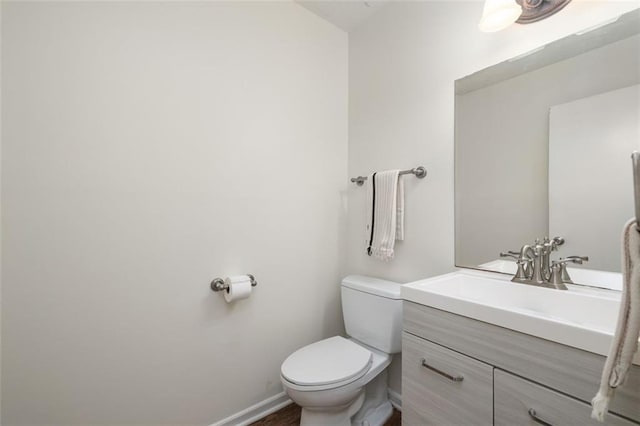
[(625, 340), (387, 214)]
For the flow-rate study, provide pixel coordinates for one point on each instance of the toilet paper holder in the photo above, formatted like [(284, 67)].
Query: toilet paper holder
[(218, 284)]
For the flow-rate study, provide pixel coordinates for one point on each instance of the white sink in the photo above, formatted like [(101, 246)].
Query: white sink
[(580, 317)]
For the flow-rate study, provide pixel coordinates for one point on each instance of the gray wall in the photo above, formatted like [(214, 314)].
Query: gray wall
[(148, 148), (502, 150)]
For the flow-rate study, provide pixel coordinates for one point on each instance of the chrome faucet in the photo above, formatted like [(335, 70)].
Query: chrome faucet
[(535, 266)]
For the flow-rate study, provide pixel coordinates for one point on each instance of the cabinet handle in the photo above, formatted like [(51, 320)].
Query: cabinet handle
[(537, 419), (456, 378)]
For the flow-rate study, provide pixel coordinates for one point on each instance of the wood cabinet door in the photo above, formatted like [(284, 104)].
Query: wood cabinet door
[(521, 402), (443, 387)]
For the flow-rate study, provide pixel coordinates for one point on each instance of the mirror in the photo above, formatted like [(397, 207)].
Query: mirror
[(542, 148)]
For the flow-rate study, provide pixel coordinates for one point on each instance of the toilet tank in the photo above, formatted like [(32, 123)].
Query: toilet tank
[(372, 311)]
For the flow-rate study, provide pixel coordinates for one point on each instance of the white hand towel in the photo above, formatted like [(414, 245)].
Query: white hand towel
[(400, 210), (625, 341), (385, 213)]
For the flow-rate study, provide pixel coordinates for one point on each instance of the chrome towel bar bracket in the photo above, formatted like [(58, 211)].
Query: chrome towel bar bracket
[(419, 171), (218, 284)]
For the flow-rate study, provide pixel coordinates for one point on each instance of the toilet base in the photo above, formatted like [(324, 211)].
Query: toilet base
[(377, 417), (338, 417), (376, 409)]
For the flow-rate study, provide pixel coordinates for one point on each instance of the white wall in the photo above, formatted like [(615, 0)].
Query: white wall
[(402, 67), (148, 148)]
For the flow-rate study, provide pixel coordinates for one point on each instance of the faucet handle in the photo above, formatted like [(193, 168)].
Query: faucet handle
[(559, 268), (572, 259), (553, 243), (511, 254)]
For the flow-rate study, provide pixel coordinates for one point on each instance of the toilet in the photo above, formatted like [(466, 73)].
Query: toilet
[(343, 381)]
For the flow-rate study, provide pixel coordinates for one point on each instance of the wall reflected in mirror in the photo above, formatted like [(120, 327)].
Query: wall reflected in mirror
[(542, 148)]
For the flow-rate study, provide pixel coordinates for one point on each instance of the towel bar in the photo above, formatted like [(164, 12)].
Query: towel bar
[(419, 171)]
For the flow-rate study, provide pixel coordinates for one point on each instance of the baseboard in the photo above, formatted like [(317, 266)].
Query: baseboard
[(395, 398), (256, 411), (275, 403)]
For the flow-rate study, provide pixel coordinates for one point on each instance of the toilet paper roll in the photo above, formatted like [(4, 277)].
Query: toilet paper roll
[(239, 287)]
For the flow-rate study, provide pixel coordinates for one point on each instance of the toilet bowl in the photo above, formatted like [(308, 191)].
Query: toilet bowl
[(343, 381), (331, 388)]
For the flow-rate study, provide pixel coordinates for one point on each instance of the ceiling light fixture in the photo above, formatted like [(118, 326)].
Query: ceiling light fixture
[(499, 14)]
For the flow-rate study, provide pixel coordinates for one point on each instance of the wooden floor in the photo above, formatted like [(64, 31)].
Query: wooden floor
[(290, 416)]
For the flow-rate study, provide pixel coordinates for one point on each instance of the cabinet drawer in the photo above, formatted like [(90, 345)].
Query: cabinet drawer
[(515, 397), (443, 387)]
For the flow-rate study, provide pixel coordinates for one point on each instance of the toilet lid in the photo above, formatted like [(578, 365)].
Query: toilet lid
[(328, 361)]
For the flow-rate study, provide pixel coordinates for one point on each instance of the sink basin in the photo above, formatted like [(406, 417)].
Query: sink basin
[(593, 277), (580, 317)]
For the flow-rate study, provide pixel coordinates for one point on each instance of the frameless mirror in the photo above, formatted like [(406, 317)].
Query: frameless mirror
[(542, 148)]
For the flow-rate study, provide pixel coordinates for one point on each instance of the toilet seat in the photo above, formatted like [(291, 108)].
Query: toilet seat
[(331, 362)]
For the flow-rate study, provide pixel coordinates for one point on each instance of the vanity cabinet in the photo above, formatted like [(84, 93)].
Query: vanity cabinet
[(505, 374), (433, 392)]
